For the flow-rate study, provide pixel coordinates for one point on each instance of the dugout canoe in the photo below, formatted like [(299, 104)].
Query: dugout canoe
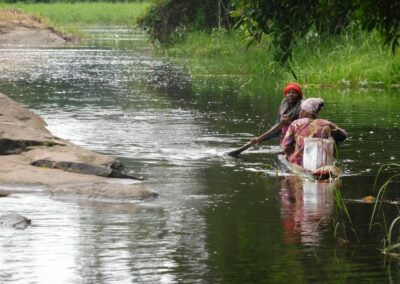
[(324, 173)]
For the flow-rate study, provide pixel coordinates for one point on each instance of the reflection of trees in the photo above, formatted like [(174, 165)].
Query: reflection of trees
[(304, 206), (172, 79)]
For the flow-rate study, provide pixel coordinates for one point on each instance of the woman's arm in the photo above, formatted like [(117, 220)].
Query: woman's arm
[(338, 133), (275, 131), (288, 142)]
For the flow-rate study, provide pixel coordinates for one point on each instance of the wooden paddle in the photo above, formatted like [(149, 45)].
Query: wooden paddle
[(267, 135)]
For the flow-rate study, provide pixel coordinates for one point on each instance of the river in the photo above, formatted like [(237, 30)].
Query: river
[(217, 219)]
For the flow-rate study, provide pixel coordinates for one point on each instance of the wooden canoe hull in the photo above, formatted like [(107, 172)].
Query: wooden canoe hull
[(323, 173)]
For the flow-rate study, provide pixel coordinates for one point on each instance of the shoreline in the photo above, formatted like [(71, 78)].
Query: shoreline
[(20, 29), (353, 61)]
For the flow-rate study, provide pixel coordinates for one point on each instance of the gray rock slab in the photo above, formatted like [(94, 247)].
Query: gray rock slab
[(31, 37), (113, 192), (34, 156)]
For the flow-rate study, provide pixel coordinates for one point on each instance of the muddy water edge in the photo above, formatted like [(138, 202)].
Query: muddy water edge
[(217, 219)]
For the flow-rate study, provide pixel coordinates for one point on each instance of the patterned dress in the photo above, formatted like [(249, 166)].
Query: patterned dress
[(307, 127)]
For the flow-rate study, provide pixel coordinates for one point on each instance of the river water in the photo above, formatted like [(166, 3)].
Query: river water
[(217, 219)]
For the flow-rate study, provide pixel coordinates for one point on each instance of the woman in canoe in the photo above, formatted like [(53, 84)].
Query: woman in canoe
[(308, 125), (288, 111)]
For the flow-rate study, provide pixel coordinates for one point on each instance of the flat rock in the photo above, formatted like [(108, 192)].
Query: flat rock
[(103, 192), (20, 29), (31, 37), (30, 154)]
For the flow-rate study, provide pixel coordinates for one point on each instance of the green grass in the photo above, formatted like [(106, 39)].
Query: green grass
[(223, 54), (76, 14), (354, 59)]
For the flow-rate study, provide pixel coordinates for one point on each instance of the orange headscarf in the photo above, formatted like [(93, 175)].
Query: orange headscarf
[(293, 86)]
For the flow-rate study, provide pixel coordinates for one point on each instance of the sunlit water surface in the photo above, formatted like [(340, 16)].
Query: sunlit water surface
[(217, 219)]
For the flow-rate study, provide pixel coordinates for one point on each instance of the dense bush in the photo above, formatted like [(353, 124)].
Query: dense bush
[(168, 19), (290, 19), (284, 21)]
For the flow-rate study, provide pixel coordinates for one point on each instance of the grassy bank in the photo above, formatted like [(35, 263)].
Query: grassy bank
[(76, 14), (354, 59)]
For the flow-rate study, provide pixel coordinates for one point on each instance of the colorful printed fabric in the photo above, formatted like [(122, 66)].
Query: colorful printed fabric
[(302, 128)]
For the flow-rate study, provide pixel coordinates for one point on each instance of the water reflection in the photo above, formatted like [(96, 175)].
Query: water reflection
[(88, 242), (305, 207)]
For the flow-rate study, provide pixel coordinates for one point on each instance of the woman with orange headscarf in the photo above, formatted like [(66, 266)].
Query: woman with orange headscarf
[(288, 112)]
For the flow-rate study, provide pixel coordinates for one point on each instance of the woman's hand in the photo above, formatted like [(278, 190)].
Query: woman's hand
[(254, 141), (339, 134), (285, 119)]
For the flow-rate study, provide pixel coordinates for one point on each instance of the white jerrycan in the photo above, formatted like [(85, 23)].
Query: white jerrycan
[(318, 152)]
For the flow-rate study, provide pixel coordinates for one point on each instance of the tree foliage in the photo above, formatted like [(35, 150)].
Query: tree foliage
[(382, 15), (283, 20), (287, 20), (168, 17)]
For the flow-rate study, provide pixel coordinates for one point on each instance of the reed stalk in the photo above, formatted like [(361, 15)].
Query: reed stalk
[(344, 212), (389, 246)]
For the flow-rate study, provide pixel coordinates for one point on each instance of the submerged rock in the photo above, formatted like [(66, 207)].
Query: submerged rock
[(112, 192), (83, 169), (15, 221)]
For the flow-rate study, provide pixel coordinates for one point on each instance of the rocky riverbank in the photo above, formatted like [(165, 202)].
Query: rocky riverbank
[(31, 155), (20, 29)]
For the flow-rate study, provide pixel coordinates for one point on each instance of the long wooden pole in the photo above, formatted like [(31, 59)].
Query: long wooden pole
[(265, 136)]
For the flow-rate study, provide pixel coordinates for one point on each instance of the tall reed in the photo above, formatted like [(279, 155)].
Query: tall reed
[(344, 217), (354, 59), (223, 53), (388, 244)]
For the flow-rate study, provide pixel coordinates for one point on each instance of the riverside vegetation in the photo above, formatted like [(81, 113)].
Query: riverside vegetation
[(70, 16), (352, 59)]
